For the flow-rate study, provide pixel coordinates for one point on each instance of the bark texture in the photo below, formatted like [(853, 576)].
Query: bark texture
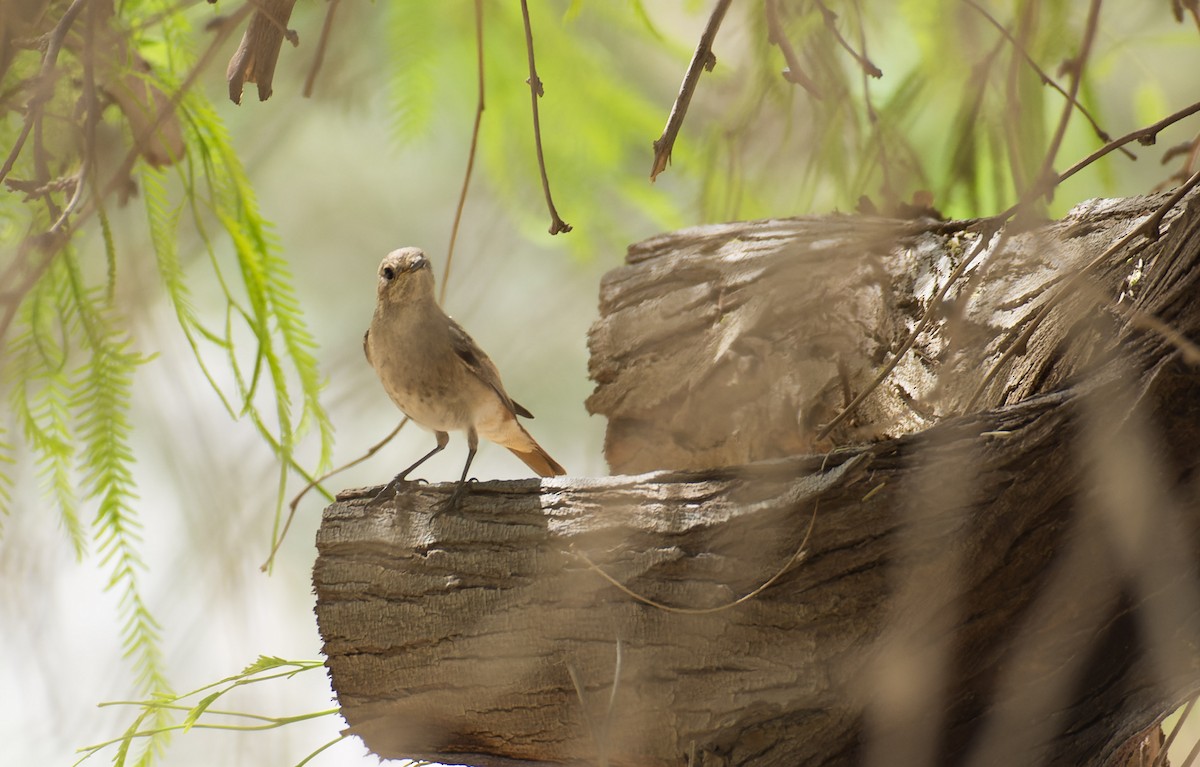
[(1010, 586), (732, 343)]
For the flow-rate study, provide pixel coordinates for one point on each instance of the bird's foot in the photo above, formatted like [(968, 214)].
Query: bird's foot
[(389, 490), (456, 496)]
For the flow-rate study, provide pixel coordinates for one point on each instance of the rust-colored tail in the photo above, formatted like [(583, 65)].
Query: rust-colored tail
[(513, 436), (537, 459)]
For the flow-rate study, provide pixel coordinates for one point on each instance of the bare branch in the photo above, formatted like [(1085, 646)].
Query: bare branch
[(258, 53), (322, 45), (1145, 136), (703, 59), (535, 88), (776, 35), (1077, 67), (479, 107), (1046, 79), (42, 90), (266, 566), (831, 23)]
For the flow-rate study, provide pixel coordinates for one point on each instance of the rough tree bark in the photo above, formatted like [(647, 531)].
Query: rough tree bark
[(1014, 585)]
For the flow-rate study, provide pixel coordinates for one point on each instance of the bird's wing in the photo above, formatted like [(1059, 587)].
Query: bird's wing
[(484, 369), (367, 347)]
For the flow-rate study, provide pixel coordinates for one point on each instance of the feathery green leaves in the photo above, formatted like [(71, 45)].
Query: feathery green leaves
[(201, 715)]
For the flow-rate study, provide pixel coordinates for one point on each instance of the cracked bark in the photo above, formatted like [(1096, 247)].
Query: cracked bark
[(1009, 586)]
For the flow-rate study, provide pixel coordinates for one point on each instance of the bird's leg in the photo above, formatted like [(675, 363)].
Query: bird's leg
[(390, 488), (463, 482)]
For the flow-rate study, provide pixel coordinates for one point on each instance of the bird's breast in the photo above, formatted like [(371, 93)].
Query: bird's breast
[(424, 377)]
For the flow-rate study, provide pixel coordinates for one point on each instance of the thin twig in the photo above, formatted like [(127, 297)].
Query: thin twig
[(777, 36), (322, 45), (1188, 350), (1077, 67), (988, 230), (1012, 117), (1153, 225), (1144, 136), (888, 191), (831, 24), (42, 91), (796, 557), (702, 60), (536, 91), (479, 107), (1046, 79), (265, 566), (47, 242)]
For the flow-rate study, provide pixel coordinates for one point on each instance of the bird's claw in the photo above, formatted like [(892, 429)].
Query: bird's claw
[(456, 496), (390, 489)]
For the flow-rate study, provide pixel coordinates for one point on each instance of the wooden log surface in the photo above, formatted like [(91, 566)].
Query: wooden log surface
[(1012, 586), (489, 634), (730, 343)]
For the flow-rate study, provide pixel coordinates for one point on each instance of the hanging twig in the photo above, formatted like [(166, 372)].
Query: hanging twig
[(535, 88), (777, 36), (1178, 6), (42, 90), (888, 191), (1144, 136), (831, 23), (1046, 79), (256, 56), (479, 107), (1046, 173), (265, 566), (49, 241), (322, 44), (702, 60)]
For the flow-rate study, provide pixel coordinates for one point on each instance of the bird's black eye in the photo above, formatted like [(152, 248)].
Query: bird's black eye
[(388, 273)]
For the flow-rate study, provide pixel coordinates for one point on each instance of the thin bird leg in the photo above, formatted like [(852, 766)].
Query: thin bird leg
[(463, 482), (389, 490)]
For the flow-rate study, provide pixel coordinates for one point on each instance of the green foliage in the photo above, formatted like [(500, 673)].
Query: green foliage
[(69, 357), (213, 187), (198, 712), (597, 118)]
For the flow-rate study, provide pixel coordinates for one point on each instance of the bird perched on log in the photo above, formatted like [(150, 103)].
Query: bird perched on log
[(436, 373)]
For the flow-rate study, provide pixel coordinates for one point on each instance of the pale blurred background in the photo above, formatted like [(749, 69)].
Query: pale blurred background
[(367, 166)]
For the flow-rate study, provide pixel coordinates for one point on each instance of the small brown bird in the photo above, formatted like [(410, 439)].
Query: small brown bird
[(436, 373)]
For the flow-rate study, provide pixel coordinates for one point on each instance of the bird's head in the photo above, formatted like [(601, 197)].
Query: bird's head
[(404, 276)]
